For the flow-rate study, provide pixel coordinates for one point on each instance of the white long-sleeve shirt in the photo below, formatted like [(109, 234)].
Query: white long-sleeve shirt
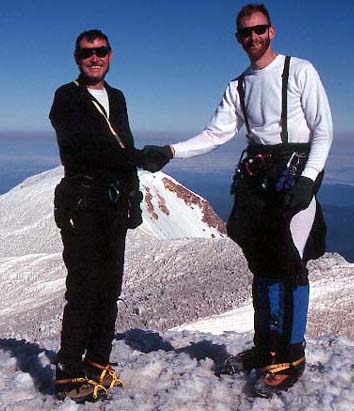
[(309, 115)]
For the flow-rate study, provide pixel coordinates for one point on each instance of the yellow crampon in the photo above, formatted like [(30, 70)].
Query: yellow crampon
[(107, 370), (276, 368), (96, 387)]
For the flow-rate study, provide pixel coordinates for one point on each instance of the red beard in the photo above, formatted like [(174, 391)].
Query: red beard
[(256, 48)]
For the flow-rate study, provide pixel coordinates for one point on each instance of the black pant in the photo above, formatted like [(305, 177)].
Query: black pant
[(94, 244), (260, 225)]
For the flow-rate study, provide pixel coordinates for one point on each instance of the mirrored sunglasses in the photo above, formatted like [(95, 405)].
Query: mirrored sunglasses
[(247, 31), (85, 53)]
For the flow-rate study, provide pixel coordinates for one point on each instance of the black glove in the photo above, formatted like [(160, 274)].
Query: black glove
[(300, 195), (64, 204), (155, 157), (134, 210), (62, 220)]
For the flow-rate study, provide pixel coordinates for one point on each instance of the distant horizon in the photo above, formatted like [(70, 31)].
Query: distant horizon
[(340, 134), (27, 153)]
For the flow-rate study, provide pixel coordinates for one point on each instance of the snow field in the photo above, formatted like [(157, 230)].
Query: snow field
[(177, 371)]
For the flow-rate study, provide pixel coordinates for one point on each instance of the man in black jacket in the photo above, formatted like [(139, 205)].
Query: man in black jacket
[(95, 203)]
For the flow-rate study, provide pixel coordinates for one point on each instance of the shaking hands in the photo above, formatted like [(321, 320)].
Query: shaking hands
[(154, 158)]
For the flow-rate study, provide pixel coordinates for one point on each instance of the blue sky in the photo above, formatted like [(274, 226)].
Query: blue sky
[(172, 59)]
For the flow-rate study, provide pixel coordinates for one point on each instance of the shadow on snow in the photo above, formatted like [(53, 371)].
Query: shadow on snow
[(147, 341), (28, 357)]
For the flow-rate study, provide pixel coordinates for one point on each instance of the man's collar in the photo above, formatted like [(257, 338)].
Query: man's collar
[(81, 82)]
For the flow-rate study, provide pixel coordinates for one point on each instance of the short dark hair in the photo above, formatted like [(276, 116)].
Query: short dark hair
[(249, 9), (90, 36)]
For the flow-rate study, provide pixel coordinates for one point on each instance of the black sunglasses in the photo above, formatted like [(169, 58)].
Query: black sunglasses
[(247, 31), (85, 53)]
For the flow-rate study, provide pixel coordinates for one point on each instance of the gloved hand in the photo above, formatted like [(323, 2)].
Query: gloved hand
[(63, 219), (300, 195), (134, 210), (156, 157), (64, 204)]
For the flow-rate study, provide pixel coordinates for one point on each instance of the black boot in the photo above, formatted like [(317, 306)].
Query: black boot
[(247, 360), (278, 377), (76, 386)]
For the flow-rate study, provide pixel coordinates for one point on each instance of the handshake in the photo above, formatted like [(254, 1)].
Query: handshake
[(154, 158)]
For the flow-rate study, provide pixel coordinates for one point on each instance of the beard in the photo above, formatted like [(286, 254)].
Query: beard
[(256, 48)]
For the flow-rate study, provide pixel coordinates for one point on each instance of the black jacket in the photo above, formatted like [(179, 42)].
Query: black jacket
[(86, 144)]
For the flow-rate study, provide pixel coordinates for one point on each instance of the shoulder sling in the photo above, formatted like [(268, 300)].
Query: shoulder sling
[(284, 104), (102, 111)]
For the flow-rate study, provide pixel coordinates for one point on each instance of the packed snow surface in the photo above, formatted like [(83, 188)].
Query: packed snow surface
[(179, 371)]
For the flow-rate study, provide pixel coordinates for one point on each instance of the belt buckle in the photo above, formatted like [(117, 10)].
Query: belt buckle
[(113, 194)]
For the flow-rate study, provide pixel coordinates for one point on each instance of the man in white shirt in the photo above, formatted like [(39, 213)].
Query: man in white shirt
[(276, 218)]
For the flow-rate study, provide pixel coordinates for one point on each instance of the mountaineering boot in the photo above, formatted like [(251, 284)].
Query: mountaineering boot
[(280, 377), (247, 360), (104, 375), (78, 389)]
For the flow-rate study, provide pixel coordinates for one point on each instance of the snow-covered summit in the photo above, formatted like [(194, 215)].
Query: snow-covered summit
[(170, 211), (173, 275), (199, 283)]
